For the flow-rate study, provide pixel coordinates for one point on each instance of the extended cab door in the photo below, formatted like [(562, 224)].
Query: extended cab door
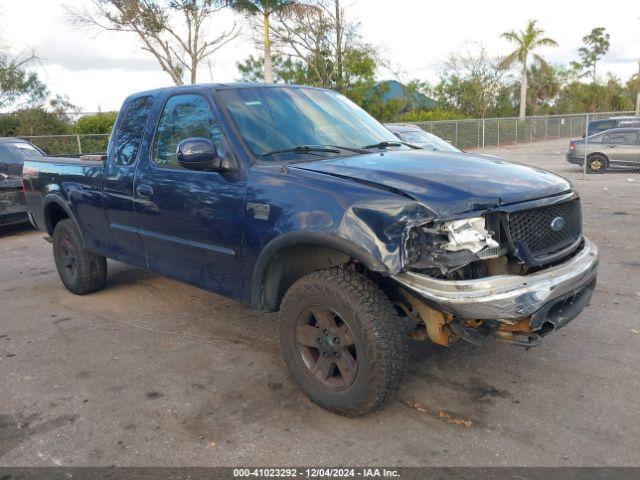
[(190, 221), (119, 173)]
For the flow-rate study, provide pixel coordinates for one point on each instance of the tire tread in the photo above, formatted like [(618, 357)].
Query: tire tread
[(381, 323)]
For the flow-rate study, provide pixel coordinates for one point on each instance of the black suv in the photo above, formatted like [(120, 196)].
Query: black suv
[(597, 126)]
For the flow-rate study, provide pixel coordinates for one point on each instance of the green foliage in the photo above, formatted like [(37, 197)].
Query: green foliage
[(526, 42), (578, 97), (260, 7), (17, 86), (429, 116), (545, 81), (458, 94), (285, 70), (34, 121), (596, 45), (97, 123)]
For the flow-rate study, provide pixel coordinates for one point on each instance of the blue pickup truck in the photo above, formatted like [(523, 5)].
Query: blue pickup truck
[(294, 199)]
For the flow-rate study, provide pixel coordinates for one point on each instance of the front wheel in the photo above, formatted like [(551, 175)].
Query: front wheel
[(597, 163), (81, 271), (343, 341)]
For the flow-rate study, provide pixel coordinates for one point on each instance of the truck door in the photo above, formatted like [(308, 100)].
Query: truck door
[(190, 221), (119, 173)]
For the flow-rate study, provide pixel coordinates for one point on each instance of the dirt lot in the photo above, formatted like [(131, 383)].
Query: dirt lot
[(153, 372)]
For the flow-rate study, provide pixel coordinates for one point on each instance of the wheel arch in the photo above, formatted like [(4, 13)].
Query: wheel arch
[(292, 256), (55, 210), (601, 154)]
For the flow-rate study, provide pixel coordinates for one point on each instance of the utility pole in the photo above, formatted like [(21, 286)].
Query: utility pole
[(339, 33), (638, 94)]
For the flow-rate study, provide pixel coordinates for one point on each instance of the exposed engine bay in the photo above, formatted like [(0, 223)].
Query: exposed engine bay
[(461, 249)]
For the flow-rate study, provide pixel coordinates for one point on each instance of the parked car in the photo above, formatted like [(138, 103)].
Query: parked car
[(294, 199), (416, 136), (600, 125), (13, 152), (618, 148)]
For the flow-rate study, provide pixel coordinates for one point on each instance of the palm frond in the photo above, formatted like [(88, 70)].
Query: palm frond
[(546, 42), (540, 61), (509, 60), (512, 36)]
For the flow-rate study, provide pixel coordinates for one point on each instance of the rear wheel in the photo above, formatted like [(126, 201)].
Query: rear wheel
[(81, 271), (343, 341), (597, 163)]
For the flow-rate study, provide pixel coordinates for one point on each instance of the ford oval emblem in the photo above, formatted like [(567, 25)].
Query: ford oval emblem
[(558, 224)]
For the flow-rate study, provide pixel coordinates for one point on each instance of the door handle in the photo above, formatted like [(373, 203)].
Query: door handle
[(611, 146), (144, 191)]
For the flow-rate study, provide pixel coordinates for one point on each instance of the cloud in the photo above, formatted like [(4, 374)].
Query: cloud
[(83, 61)]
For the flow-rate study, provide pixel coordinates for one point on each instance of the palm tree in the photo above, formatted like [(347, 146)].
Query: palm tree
[(264, 8), (527, 41)]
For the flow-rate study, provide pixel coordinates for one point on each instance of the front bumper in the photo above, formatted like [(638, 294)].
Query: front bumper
[(555, 295)]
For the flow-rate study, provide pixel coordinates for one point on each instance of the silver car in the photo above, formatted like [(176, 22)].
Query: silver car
[(618, 148)]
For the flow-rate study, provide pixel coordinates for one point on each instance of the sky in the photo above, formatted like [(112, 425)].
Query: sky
[(97, 70)]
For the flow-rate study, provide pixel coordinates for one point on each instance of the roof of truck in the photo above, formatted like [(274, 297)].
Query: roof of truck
[(220, 86)]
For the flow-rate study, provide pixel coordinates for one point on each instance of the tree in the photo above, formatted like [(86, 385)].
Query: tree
[(97, 123), (321, 36), (578, 97), (544, 84), (596, 45), (470, 82), (19, 87), (179, 49), (359, 66), (526, 42), (264, 8)]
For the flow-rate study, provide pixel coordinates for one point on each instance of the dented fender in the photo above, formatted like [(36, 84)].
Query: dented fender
[(381, 228)]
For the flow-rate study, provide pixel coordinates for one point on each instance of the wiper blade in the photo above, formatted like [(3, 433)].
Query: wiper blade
[(304, 149), (394, 143)]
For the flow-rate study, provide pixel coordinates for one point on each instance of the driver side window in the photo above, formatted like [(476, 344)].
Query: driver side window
[(184, 116)]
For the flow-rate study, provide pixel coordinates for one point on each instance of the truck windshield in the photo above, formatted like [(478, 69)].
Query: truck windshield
[(289, 121)]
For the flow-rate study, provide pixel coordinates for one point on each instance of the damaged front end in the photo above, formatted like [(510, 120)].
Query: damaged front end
[(453, 249), (508, 272)]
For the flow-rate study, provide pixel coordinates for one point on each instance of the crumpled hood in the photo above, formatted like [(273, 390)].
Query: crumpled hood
[(447, 183)]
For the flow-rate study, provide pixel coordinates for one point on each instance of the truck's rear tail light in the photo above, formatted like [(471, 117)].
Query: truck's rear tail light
[(572, 146)]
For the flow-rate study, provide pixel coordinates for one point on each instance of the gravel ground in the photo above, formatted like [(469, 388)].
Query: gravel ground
[(154, 372)]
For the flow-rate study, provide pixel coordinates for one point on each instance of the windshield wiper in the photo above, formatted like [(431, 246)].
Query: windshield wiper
[(393, 143), (310, 149)]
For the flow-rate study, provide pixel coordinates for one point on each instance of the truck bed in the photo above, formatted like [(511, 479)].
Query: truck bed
[(76, 184)]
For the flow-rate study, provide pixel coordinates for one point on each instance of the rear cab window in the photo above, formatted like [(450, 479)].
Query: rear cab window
[(128, 137)]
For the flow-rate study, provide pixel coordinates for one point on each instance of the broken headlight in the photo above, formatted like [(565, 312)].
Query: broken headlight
[(448, 246)]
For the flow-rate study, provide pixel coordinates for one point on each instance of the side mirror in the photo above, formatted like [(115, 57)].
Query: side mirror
[(199, 154)]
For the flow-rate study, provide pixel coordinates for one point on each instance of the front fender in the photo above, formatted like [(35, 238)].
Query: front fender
[(372, 234)]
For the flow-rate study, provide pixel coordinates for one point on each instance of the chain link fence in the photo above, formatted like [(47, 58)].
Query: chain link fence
[(603, 150), (71, 145), (496, 132)]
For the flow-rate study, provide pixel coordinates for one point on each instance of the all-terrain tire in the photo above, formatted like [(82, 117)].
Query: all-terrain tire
[(81, 271), (377, 333), (597, 163)]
